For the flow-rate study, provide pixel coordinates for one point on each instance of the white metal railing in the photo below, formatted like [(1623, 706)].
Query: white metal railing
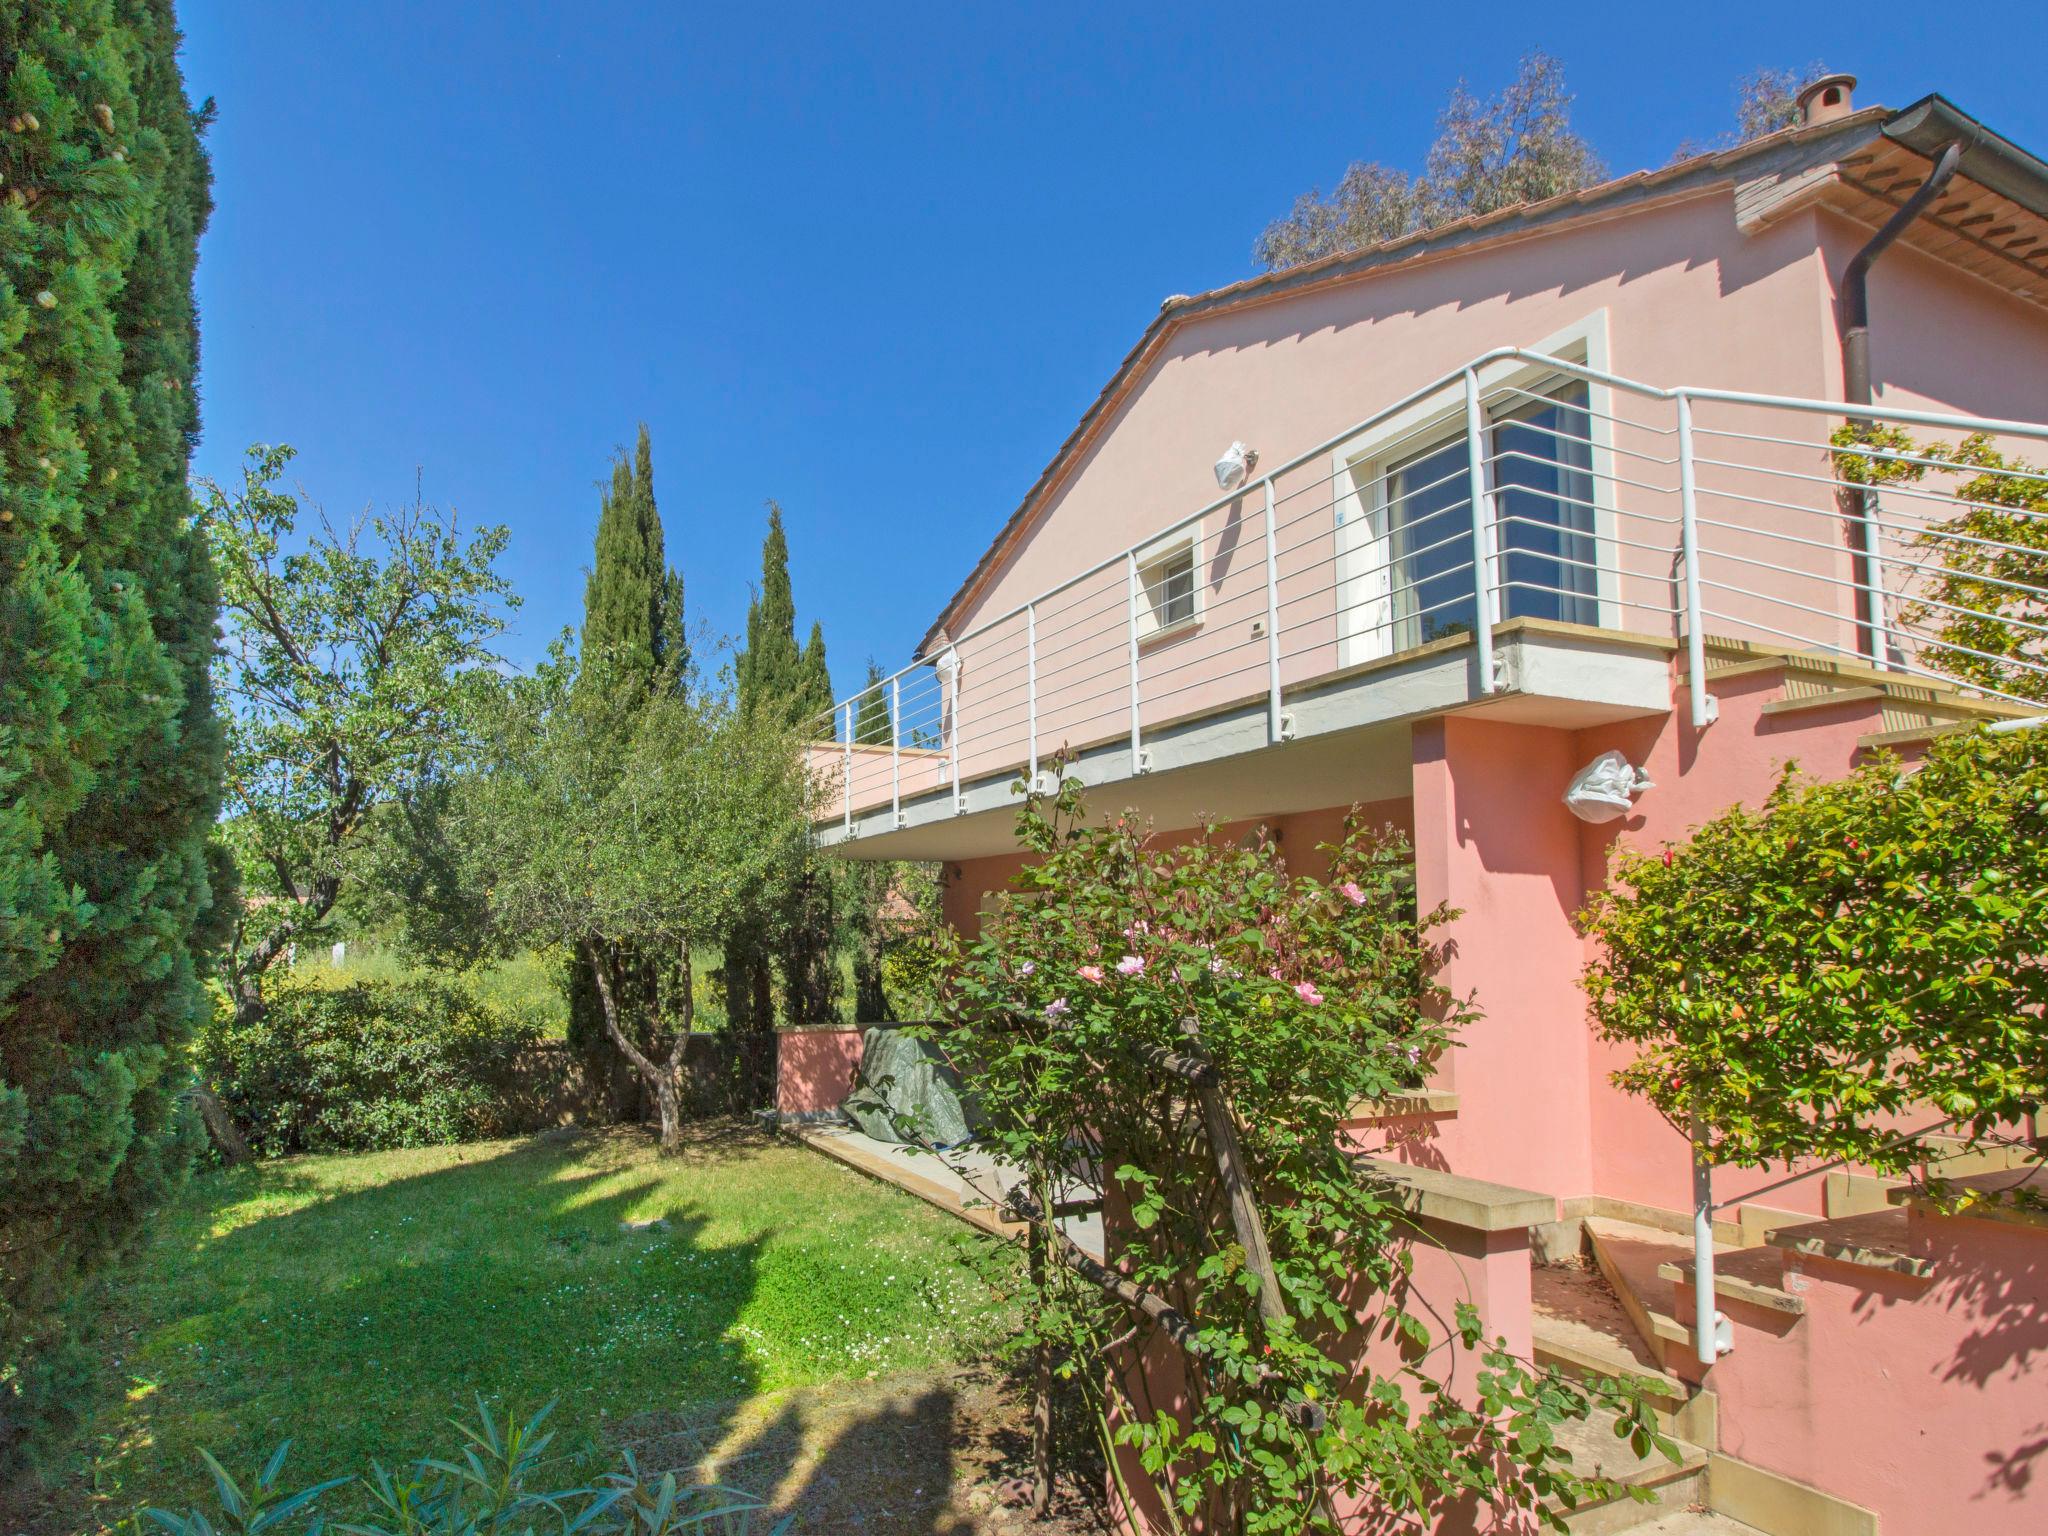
[(1518, 486)]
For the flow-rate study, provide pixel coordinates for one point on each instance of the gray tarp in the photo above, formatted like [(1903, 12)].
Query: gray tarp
[(907, 1092)]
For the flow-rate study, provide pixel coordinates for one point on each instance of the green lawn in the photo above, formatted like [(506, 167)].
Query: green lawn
[(354, 1303)]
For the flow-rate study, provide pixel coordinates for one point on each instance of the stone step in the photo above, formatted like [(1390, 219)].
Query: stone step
[(1579, 1326), (1629, 1256), (1695, 1522), (1597, 1451)]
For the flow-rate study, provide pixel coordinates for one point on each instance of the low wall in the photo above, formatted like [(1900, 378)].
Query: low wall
[(1912, 1385), (815, 1069)]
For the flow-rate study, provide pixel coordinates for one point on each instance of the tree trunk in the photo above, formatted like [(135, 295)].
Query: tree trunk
[(668, 1105), (227, 1137), (663, 1079)]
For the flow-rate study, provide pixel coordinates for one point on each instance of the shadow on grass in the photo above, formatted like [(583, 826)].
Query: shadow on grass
[(358, 1322)]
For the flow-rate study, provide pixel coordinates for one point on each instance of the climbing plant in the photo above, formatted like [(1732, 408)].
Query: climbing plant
[(1113, 979), (1978, 598), (1803, 975)]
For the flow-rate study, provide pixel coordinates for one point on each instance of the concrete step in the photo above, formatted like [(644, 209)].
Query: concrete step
[(1596, 1451), (1580, 1327), (1629, 1256), (1695, 1522)]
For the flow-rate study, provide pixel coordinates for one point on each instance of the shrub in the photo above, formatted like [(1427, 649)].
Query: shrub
[(1113, 975), (373, 1066), (1799, 977)]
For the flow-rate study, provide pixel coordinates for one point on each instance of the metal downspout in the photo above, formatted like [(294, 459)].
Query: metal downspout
[(1856, 388)]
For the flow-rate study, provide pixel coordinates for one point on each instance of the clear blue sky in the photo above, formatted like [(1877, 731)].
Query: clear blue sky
[(870, 261)]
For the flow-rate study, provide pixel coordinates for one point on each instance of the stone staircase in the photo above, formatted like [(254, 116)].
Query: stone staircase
[(1615, 1311)]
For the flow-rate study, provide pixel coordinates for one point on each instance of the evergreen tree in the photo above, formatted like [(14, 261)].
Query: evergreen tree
[(813, 701), (110, 749), (632, 601), (769, 671), (792, 686), (633, 647), (871, 725)]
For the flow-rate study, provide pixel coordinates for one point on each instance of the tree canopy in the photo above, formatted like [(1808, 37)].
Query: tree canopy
[(1803, 975), (348, 653), (607, 825), (1489, 154)]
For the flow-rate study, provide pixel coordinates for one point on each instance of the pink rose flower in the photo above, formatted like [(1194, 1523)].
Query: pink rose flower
[(1130, 965), (1306, 991), (1352, 893), (1091, 973), (1027, 967), (1057, 1008)]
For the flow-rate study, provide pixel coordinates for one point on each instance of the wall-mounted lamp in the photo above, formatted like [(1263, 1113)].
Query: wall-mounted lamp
[(1237, 462)]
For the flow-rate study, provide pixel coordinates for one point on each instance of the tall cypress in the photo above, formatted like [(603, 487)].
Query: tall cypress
[(110, 749), (769, 670), (633, 642), (793, 685), (871, 725)]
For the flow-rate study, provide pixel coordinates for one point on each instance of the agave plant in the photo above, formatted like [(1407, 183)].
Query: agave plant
[(490, 1488)]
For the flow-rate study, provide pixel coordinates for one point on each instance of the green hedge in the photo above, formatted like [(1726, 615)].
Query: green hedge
[(379, 1065)]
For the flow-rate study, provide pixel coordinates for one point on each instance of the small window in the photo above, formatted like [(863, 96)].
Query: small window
[(1168, 579)]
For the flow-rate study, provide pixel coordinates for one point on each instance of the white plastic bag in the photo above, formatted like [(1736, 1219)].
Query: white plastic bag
[(1605, 788)]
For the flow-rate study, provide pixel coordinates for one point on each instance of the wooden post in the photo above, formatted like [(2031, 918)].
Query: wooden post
[(1041, 1392)]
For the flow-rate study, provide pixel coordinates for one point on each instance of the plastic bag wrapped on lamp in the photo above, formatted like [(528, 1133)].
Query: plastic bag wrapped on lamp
[(1605, 788)]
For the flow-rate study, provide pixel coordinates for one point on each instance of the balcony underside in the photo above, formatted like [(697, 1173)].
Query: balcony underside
[(1349, 741)]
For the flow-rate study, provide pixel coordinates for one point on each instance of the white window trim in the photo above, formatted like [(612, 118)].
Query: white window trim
[(1187, 540), (1361, 464)]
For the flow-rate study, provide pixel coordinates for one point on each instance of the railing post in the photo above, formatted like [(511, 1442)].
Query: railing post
[(1031, 688), (1706, 709), (846, 786), (1482, 542), (1131, 624), (1274, 731), (896, 750), (1711, 1340), (953, 672)]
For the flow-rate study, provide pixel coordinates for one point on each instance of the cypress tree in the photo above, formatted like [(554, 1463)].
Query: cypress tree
[(632, 601), (774, 674), (769, 671), (871, 727), (110, 750), (632, 641)]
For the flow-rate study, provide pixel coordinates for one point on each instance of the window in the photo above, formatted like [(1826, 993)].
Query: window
[(1167, 577), (1407, 573)]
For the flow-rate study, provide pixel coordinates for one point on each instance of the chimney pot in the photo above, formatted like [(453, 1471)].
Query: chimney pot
[(1829, 97)]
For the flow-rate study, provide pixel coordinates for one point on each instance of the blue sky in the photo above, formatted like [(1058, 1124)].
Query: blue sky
[(871, 261)]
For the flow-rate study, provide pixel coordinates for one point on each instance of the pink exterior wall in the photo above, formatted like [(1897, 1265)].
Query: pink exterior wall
[(815, 1069), (1918, 1398), (1508, 858), (970, 883)]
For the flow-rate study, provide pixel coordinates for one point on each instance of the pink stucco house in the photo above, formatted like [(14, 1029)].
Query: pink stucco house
[(1497, 499)]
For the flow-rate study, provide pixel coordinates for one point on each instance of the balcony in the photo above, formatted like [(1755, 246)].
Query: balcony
[(1527, 538)]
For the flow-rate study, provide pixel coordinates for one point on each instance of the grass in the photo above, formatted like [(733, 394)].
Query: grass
[(527, 986), (354, 1303)]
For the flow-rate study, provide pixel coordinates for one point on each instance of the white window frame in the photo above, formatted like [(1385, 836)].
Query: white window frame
[(1358, 479), (1151, 578)]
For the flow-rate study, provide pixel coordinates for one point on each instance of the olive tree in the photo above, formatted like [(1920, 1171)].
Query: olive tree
[(611, 826)]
